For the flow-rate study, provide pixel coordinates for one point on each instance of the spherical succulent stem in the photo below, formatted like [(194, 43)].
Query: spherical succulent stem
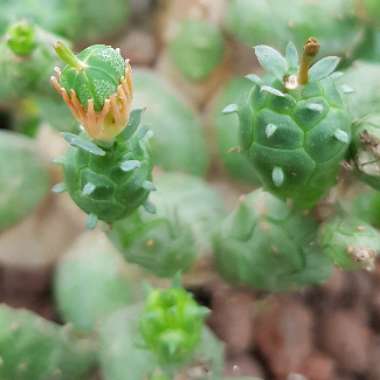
[(68, 56), (21, 38), (310, 50)]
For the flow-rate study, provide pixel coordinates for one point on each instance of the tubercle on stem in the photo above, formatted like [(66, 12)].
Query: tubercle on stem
[(311, 49)]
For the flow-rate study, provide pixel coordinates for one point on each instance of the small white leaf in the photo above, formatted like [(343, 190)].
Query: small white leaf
[(148, 185), (59, 188), (272, 61), (231, 108), (128, 165), (88, 188), (292, 56), (255, 79), (270, 129), (342, 136), (315, 107), (323, 68), (347, 89), (278, 176), (272, 91), (91, 221), (336, 75)]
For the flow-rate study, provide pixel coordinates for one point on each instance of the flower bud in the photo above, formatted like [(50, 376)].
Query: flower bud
[(21, 38), (171, 324), (96, 85)]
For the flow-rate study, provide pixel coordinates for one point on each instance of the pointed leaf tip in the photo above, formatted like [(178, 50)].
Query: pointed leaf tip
[(278, 176), (342, 136), (271, 60), (91, 221), (231, 108), (148, 185), (59, 188), (272, 90), (149, 207), (88, 188), (255, 79), (129, 165), (83, 143), (323, 68), (292, 56), (270, 129)]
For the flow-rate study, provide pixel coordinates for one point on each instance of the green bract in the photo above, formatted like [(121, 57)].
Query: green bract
[(332, 22), (197, 48), (227, 130), (101, 70), (108, 182), (171, 325), (91, 282), (295, 135), (24, 178), (366, 151), (265, 245), (162, 243), (178, 143), (350, 243), (33, 348)]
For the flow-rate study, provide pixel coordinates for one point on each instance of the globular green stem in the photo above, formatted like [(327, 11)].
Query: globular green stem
[(68, 56), (310, 50)]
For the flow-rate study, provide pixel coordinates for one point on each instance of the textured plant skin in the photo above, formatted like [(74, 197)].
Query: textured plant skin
[(196, 203), (295, 134), (102, 71), (26, 73), (91, 282), (365, 206), (33, 348), (366, 151), (333, 22), (350, 243), (197, 48), (162, 243), (116, 193), (265, 245), (178, 143), (24, 178), (227, 131)]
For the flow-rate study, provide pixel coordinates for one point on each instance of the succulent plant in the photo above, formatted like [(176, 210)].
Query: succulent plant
[(197, 204), (33, 348), (107, 170), (366, 151), (333, 22), (24, 178), (178, 143), (227, 131), (365, 206), (91, 282), (26, 59), (197, 48), (125, 354), (350, 243), (162, 243), (266, 245), (295, 128)]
